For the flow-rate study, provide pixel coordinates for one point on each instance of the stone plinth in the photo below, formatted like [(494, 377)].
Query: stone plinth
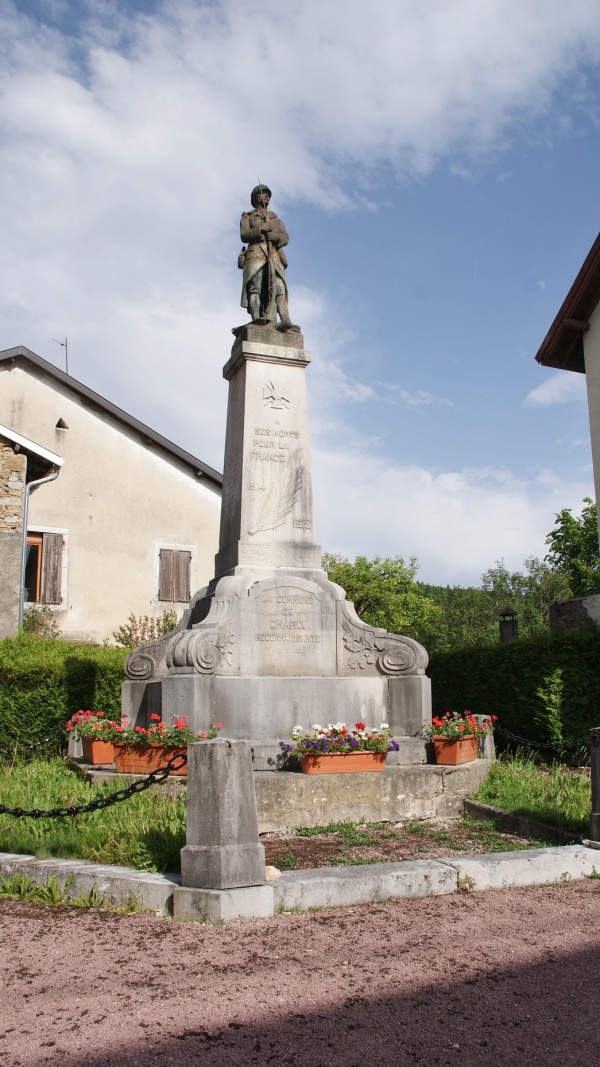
[(222, 848), (271, 643)]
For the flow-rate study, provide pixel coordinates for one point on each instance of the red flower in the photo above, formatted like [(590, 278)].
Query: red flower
[(155, 716), (360, 725), (218, 725)]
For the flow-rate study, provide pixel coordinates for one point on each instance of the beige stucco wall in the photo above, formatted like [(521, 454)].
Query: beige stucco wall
[(12, 498), (117, 501), (591, 348)]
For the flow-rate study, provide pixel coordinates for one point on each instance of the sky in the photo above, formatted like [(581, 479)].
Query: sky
[(435, 163)]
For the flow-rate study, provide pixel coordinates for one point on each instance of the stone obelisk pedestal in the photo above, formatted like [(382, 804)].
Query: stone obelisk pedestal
[(272, 643)]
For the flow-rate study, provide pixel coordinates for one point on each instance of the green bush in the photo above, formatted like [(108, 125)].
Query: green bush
[(543, 687), (42, 682)]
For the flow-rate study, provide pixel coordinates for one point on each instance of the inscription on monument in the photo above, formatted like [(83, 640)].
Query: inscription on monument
[(287, 618)]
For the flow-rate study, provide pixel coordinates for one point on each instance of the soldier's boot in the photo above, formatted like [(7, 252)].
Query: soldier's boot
[(282, 308), (254, 305)]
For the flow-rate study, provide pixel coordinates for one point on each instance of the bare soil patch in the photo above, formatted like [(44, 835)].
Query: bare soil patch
[(343, 844)]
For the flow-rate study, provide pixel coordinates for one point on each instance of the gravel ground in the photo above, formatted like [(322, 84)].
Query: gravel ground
[(494, 978)]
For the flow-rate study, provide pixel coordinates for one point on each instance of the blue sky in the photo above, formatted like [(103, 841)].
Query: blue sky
[(436, 165)]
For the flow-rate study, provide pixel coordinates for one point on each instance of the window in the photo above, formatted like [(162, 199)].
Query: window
[(43, 566), (174, 568)]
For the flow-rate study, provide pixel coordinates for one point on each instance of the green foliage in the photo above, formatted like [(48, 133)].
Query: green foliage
[(144, 629), (384, 593), (574, 549), (21, 887), (470, 617), (40, 621), (554, 795), (551, 693), (42, 682), (505, 680), (146, 831)]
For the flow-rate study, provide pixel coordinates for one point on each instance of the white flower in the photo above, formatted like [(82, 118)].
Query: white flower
[(297, 729), (316, 726), (384, 726)]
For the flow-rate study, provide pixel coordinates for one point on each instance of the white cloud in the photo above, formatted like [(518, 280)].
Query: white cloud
[(128, 150), (457, 523), (562, 387), (398, 394)]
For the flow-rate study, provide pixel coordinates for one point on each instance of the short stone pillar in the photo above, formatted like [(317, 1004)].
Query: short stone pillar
[(595, 777), (223, 862)]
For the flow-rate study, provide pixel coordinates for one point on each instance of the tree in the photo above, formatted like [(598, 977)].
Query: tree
[(385, 593), (574, 549), (470, 616)]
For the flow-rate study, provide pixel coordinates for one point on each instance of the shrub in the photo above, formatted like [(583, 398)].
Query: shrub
[(40, 621), (43, 681), (143, 629), (544, 688)]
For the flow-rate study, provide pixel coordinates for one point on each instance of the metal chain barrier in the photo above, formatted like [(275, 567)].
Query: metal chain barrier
[(559, 746), (36, 744), (174, 764)]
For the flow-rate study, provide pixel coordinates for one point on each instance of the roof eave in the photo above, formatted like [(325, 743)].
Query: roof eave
[(202, 470), (562, 346)]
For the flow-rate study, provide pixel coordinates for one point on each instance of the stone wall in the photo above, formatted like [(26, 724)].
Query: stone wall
[(13, 468), (575, 613)]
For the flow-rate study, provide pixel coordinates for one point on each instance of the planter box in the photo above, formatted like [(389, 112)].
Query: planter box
[(450, 752), (142, 759), (343, 762), (97, 753)]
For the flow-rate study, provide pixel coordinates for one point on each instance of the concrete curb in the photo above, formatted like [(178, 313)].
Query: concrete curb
[(326, 887), (116, 885)]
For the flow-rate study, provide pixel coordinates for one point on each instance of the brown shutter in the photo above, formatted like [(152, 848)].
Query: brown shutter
[(181, 591), (166, 573), (174, 575), (51, 568)]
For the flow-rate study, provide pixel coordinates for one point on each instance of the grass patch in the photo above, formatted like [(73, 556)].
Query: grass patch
[(146, 832), (551, 794), (21, 887)]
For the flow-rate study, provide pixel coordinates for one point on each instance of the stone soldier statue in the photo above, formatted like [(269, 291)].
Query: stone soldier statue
[(264, 289)]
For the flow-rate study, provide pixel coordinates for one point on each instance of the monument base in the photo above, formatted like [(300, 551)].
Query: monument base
[(265, 710)]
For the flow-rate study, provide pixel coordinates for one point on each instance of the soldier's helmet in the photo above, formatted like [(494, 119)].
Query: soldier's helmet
[(258, 189)]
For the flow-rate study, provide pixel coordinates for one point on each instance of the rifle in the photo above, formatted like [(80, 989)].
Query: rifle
[(271, 311)]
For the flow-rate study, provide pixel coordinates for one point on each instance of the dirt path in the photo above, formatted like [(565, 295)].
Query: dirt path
[(495, 978)]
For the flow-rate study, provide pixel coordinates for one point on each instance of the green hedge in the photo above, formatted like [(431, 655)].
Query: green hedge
[(42, 682), (503, 680)]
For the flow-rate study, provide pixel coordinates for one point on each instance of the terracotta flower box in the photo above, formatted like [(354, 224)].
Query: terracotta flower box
[(343, 762), (98, 753), (450, 752), (142, 759)]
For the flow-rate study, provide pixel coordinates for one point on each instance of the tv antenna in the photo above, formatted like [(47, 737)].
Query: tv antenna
[(64, 344)]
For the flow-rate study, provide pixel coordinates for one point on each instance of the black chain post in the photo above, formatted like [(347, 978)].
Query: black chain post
[(10, 752), (559, 746), (174, 764), (594, 738)]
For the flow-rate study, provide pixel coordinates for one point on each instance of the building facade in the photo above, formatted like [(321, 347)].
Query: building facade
[(132, 523), (573, 343)]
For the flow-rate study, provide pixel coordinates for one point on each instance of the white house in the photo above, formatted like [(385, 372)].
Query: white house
[(573, 344), (131, 525)]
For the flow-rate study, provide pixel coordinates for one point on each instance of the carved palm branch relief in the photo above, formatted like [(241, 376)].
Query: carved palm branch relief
[(276, 507)]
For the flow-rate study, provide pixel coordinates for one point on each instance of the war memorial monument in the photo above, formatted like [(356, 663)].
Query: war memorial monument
[(271, 643)]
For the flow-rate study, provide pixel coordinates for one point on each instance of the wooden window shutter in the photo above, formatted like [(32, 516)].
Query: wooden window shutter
[(51, 568), (174, 575), (166, 569), (182, 582)]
